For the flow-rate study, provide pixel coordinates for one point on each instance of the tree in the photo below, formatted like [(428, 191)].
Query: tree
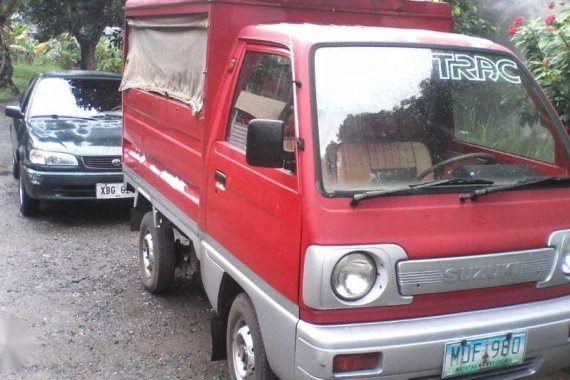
[(7, 9), (466, 19), (84, 19)]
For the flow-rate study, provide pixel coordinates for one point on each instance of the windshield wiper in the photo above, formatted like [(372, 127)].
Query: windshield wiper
[(57, 117), (110, 115), (356, 198), (513, 186)]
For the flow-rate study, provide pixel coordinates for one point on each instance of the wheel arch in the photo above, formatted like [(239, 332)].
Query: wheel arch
[(224, 277), (228, 290)]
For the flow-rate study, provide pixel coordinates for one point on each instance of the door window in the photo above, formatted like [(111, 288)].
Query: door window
[(264, 91)]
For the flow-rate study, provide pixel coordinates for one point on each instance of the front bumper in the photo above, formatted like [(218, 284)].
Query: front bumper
[(66, 185), (413, 348)]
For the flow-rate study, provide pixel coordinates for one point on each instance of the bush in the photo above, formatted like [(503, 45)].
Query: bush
[(545, 45), (109, 56), (21, 43), (62, 50)]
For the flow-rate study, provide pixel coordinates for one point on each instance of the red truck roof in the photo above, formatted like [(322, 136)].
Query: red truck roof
[(311, 34), (419, 8)]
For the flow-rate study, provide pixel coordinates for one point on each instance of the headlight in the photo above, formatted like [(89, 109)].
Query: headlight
[(566, 264), (353, 276), (41, 157)]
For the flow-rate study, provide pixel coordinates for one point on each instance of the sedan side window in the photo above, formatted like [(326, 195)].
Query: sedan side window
[(25, 99)]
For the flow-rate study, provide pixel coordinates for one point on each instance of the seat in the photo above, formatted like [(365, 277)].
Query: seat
[(381, 163)]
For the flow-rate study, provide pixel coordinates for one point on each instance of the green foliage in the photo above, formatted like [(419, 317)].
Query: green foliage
[(21, 43), (83, 19), (466, 19), (23, 72), (545, 45), (531, 140), (109, 56), (62, 50)]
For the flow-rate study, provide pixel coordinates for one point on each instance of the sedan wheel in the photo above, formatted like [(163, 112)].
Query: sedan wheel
[(15, 168), (28, 206)]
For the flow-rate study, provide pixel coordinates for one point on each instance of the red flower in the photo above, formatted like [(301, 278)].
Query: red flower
[(551, 5), (550, 19), (513, 29)]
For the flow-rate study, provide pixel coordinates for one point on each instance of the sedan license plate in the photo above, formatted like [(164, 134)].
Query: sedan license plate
[(112, 191), (483, 353)]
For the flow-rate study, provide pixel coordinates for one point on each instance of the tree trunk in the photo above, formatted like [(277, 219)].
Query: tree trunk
[(6, 68), (88, 61)]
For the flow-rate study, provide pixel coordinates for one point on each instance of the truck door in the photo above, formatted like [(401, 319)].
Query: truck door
[(254, 214)]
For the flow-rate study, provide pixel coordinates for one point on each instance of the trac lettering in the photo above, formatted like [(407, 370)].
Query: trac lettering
[(454, 66)]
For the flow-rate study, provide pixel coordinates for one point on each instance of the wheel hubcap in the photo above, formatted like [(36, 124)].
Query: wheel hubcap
[(148, 255), (242, 352)]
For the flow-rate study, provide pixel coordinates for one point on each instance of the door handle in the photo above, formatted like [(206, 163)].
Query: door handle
[(220, 179)]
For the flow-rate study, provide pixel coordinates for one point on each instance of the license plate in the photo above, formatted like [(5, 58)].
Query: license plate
[(483, 353), (112, 191)]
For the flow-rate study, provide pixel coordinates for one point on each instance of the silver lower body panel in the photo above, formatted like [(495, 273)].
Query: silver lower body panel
[(414, 348)]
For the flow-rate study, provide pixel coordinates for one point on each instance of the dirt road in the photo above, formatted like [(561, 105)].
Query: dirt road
[(71, 276)]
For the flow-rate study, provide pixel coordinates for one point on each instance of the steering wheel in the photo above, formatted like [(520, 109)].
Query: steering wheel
[(487, 157)]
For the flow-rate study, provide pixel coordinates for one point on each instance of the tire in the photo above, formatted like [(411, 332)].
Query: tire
[(28, 206), (15, 168), (246, 353), (157, 257)]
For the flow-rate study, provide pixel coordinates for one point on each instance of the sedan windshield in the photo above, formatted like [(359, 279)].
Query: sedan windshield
[(73, 97), (390, 117)]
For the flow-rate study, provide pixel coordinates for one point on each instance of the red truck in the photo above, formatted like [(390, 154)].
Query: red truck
[(364, 194)]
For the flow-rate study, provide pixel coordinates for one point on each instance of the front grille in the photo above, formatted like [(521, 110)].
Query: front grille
[(474, 272), (74, 191), (102, 162)]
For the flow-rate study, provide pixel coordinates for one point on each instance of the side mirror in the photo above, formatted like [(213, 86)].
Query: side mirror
[(264, 147), (14, 112)]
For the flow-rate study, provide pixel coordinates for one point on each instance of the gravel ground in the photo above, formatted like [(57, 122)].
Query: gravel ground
[(71, 276)]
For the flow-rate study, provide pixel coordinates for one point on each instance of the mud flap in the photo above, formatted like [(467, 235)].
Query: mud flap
[(218, 328)]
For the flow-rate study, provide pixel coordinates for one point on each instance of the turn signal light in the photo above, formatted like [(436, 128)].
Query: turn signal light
[(355, 362)]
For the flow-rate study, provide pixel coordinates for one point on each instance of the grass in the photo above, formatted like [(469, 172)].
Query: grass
[(23, 72)]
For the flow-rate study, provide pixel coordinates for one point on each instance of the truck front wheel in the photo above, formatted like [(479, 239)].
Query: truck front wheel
[(157, 257), (246, 353)]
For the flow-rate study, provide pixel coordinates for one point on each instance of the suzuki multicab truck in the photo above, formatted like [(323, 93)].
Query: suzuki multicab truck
[(363, 194)]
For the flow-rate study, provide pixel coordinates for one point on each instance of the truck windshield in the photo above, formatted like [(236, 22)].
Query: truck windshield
[(389, 117)]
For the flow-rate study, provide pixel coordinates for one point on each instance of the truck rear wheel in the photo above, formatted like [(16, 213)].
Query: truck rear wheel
[(157, 257), (246, 353)]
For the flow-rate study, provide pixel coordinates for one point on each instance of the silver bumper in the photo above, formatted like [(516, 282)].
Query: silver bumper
[(414, 347)]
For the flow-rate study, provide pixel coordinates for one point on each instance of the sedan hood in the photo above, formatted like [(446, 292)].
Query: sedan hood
[(81, 137)]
